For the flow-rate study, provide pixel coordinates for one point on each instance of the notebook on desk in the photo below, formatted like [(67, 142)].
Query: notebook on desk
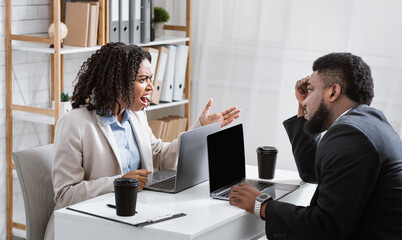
[(227, 166), (192, 162)]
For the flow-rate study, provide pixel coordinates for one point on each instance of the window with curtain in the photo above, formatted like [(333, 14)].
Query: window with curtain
[(251, 53)]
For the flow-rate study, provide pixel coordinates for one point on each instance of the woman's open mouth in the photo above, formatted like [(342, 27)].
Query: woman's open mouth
[(145, 100)]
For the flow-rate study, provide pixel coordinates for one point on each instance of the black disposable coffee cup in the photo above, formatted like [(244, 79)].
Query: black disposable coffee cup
[(125, 190), (266, 156)]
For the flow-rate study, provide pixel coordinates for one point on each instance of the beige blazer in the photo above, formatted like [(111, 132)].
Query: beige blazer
[(87, 158)]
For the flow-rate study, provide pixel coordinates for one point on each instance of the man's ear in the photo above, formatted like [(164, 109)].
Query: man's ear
[(335, 92)]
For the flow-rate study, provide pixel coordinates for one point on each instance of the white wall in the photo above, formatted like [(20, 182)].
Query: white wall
[(251, 53)]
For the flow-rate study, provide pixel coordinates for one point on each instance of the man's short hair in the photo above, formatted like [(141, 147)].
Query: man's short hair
[(350, 72)]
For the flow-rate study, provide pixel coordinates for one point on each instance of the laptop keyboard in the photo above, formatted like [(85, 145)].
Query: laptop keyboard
[(257, 184), (225, 193), (165, 184)]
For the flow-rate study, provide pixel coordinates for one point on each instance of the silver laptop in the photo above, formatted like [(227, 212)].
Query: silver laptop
[(227, 166), (192, 165)]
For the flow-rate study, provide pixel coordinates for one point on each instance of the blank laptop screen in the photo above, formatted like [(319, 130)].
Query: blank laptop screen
[(226, 157)]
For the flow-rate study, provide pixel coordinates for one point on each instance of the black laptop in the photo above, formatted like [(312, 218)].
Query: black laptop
[(227, 166)]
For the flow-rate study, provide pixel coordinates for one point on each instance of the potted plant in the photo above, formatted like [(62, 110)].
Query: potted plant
[(65, 104), (161, 16)]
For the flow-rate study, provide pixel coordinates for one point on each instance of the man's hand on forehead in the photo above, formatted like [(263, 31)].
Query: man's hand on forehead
[(301, 85)]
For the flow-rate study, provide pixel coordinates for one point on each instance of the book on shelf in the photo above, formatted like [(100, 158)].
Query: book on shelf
[(167, 87), (82, 20), (168, 128), (113, 20), (180, 72), (154, 58), (172, 124), (93, 24), (146, 21), (135, 22), (159, 74), (157, 127), (77, 21), (124, 28)]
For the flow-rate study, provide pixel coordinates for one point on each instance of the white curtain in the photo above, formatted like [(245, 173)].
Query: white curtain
[(251, 53)]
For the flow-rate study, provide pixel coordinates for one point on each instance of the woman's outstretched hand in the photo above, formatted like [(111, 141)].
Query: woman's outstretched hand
[(225, 117)]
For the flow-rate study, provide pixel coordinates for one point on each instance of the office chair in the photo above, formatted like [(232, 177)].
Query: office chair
[(34, 168)]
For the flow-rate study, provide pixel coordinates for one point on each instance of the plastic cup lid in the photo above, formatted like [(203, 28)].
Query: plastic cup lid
[(126, 182), (267, 149)]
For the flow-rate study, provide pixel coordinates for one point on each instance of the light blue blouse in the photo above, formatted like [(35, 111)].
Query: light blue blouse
[(126, 141)]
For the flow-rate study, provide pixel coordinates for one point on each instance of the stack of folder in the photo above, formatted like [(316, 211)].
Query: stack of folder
[(82, 20), (168, 128), (169, 64), (130, 21), (127, 21)]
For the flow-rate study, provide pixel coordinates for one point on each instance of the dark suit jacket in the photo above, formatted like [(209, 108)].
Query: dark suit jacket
[(358, 168)]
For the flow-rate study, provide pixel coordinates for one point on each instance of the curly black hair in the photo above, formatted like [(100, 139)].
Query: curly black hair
[(350, 72), (107, 75)]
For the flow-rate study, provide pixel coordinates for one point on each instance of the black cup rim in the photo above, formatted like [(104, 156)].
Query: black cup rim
[(267, 149), (126, 182)]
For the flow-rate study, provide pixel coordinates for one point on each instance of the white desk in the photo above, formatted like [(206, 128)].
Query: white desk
[(206, 218)]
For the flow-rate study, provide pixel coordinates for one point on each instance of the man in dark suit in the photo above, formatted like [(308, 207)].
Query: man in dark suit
[(349, 149)]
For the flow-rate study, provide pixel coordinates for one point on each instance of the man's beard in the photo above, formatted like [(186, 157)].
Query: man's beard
[(319, 122)]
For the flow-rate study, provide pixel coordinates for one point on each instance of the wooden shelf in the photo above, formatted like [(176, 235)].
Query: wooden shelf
[(45, 119), (19, 233), (44, 48), (166, 105), (33, 117), (165, 40)]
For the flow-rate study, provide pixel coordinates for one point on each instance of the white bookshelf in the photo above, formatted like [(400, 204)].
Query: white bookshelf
[(166, 105), (45, 119), (33, 117), (29, 43), (44, 48), (165, 40)]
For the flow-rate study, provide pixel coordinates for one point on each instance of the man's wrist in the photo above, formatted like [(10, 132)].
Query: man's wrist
[(262, 211), (300, 112), (259, 205)]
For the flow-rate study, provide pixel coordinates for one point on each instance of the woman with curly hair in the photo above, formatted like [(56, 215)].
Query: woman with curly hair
[(106, 135)]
